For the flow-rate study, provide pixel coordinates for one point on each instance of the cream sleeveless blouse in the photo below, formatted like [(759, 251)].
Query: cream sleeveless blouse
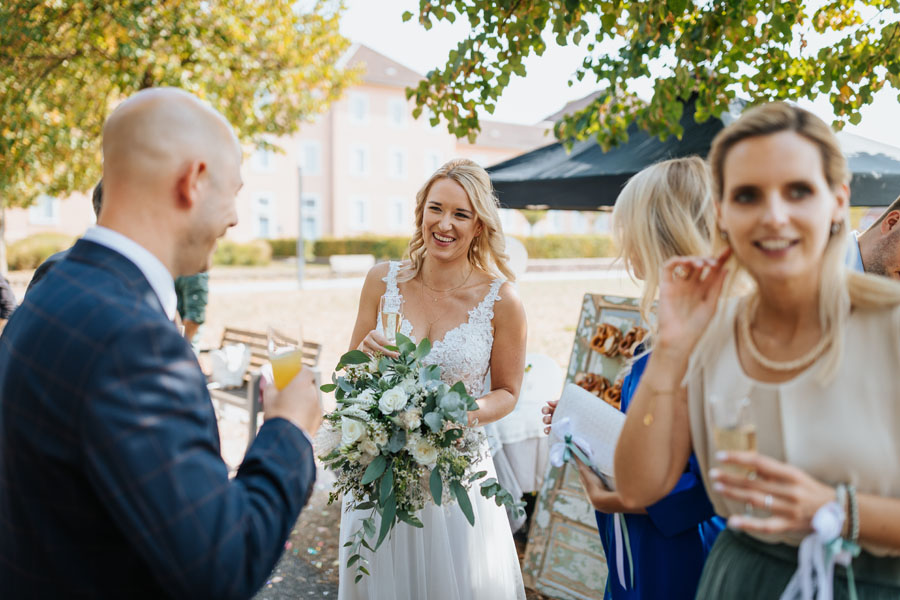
[(847, 430)]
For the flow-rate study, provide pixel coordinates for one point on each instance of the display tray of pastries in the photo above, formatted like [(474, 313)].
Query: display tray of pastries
[(601, 387)]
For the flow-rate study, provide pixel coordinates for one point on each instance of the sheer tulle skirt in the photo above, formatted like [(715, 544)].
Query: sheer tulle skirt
[(448, 559)]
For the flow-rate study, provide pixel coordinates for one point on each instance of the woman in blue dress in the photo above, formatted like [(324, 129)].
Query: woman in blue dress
[(665, 210)]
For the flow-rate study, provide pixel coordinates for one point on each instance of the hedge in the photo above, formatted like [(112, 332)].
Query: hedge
[(255, 253), (30, 252), (548, 246), (381, 247), (568, 246), (286, 247)]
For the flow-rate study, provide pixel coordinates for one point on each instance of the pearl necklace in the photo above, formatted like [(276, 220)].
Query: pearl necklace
[(775, 365)]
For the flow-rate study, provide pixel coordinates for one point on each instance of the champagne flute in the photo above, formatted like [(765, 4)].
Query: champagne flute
[(734, 429), (285, 346), (390, 312)]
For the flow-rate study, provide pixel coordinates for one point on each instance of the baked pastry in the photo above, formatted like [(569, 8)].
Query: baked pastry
[(631, 340), (613, 394), (595, 384), (606, 340)]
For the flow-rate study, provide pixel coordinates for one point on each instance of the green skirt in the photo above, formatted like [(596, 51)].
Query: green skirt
[(741, 567)]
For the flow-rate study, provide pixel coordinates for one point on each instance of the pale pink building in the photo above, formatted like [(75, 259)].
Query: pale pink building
[(356, 169)]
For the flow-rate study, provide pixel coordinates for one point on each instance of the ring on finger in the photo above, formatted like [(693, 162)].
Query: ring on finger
[(680, 272), (767, 501)]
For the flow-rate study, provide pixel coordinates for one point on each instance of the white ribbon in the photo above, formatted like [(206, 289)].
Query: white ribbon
[(620, 550), (814, 577), (563, 429)]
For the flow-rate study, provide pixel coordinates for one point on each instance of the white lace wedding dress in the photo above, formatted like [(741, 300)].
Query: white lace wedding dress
[(448, 559)]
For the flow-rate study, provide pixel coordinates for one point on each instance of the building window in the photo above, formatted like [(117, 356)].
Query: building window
[(359, 160), (397, 112), (262, 217), (263, 160), (359, 213), (398, 217), (359, 107), (397, 165), (44, 211), (310, 158), (312, 224), (432, 162)]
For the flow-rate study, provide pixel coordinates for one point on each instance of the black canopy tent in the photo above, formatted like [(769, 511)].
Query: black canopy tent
[(587, 178)]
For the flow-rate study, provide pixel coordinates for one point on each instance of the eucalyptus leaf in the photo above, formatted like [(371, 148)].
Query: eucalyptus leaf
[(355, 357), (328, 388), (434, 420), (387, 520), (423, 348), (462, 497), (476, 476), (369, 527), (436, 485), (397, 441), (387, 482), (374, 470)]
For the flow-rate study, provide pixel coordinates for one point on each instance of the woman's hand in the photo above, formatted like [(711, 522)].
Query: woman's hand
[(548, 414), (689, 289), (788, 493), (374, 343), (601, 497)]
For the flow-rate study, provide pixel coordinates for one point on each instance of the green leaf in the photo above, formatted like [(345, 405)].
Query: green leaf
[(355, 357), (387, 482), (369, 527), (397, 441), (407, 16), (464, 503), (365, 506), (434, 421), (374, 470), (358, 578), (423, 349), (476, 476), (328, 388), (387, 520), (436, 485), (353, 560)]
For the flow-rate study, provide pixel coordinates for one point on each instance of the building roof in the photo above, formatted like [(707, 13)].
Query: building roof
[(381, 70), (512, 135), (572, 107)]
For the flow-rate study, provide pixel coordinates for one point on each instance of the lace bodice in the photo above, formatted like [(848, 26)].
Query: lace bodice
[(465, 352)]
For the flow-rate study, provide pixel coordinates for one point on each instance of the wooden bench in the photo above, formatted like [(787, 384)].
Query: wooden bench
[(247, 396), (350, 264)]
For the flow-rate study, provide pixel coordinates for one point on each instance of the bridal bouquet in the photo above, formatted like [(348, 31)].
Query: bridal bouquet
[(399, 438)]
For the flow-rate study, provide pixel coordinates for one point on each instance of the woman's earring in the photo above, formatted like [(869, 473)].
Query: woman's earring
[(836, 227), (724, 236)]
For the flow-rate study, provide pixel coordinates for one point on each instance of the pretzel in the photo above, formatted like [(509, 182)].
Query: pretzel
[(631, 340), (613, 395), (606, 340), (595, 384)]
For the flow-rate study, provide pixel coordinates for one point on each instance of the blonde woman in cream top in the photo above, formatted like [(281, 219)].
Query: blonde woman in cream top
[(812, 345)]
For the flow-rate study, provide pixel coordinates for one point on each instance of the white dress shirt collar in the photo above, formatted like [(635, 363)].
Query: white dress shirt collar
[(156, 273), (853, 258)]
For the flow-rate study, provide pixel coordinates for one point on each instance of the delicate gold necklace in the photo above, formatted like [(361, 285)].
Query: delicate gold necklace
[(447, 291), (775, 365)]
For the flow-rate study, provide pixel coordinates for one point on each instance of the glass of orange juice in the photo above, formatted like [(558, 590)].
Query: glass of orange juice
[(285, 345)]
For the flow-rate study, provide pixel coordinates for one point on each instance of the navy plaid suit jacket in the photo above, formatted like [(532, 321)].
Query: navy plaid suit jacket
[(111, 481)]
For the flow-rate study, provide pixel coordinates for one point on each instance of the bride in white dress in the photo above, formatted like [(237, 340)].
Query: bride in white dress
[(454, 293)]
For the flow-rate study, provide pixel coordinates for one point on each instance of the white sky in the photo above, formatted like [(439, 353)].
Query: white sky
[(379, 25)]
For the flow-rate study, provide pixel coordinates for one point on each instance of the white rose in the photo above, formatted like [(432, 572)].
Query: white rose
[(380, 437), (409, 386), (366, 398), (369, 447), (411, 419), (351, 430), (392, 400), (423, 452)]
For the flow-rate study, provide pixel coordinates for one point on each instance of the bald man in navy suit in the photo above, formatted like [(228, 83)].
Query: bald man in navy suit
[(111, 479)]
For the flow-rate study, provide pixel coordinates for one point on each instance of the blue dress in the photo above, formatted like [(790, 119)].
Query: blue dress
[(670, 543)]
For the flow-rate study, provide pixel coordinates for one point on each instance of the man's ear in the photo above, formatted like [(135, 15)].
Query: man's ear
[(188, 184), (890, 222)]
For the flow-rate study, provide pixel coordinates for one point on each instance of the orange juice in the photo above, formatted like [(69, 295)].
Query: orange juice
[(286, 363)]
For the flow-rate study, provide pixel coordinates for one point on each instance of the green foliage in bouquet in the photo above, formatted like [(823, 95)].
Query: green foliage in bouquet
[(398, 439)]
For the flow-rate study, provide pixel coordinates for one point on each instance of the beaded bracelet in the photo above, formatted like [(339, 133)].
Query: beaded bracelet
[(841, 499), (854, 513)]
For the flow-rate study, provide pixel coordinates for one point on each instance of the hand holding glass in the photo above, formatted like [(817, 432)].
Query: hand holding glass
[(390, 312), (733, 425), (285, 353)]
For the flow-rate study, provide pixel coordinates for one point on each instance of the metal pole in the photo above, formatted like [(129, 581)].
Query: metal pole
[(301, 253)]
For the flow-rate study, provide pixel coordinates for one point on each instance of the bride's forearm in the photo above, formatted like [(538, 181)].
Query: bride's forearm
[(493, 406)]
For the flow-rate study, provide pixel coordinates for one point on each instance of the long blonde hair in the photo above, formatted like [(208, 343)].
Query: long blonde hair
[(839, 288), (665, 210), (488, 250)]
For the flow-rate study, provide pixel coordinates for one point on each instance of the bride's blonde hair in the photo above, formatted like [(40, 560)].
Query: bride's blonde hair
[(665, 210), (488, 250), (840, 288)]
